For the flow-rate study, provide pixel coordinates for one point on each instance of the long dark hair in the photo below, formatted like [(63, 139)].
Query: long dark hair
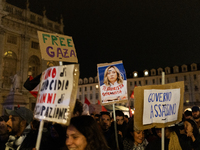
[(130, 130), (87, 126), (194, 126)]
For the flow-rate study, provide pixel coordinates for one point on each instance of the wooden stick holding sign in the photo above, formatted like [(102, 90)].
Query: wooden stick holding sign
[(115, 125), (163, 129), (39, 135)]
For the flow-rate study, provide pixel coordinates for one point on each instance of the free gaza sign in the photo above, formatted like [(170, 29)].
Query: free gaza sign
[(57, 47)]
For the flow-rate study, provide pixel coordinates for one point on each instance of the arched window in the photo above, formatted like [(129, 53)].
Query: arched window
[(80, 81), (9, 68), (91, 80), (33, 66)]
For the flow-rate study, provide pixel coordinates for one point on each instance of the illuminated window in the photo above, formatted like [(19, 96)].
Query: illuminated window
[(146, 73), (33, 66), (9, 68), (51, 64)]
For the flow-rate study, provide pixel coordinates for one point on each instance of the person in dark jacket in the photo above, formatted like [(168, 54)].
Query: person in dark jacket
[(192, 133), (3, 132)]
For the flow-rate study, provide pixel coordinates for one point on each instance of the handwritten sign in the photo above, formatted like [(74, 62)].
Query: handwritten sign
[(112, 82), (57, 94), (160, 106), (57, 47)]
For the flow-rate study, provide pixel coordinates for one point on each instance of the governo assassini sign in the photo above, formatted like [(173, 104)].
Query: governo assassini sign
[(57, 94), (158, 105), (57, 47)]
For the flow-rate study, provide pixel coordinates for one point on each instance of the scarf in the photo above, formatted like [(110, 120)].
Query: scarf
[(14, 142), (174, 142)]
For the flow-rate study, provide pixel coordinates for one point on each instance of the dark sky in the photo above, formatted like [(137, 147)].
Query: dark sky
[(145, 34)]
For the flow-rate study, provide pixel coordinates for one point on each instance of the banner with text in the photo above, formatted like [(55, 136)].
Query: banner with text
[(160, 106), (57, 94), (112, 82), (57, 47)]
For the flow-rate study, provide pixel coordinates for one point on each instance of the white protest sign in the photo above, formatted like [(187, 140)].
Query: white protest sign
[(56, 98), (160, 105)]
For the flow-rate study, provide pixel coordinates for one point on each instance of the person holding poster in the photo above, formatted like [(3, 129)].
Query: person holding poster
[(115, 86)]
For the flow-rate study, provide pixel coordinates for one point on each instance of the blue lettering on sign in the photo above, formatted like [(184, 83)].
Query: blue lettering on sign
[(160, 97), (159, 110)]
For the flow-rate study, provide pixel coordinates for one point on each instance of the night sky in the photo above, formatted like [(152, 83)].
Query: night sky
[(144, 34)]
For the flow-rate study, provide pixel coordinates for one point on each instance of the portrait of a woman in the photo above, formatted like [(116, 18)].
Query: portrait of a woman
[(114, 87)]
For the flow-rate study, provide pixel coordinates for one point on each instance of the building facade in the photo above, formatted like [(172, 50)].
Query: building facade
[(20, 52), (190, 74)]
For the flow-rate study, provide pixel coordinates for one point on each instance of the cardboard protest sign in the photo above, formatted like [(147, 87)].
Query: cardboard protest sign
[(158, 105), (112, 82), (57, 94), (57, 47)]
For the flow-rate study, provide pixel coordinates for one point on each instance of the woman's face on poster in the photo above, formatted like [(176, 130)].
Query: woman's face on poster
[(112, 75)]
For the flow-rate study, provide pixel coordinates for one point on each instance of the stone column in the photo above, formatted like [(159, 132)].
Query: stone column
[(25, 43), (2, 41)]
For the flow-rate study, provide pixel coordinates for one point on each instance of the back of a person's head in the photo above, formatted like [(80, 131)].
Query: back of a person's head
[(78, 108), (129, 129), (87, 126), (126, 116), (188, 113)]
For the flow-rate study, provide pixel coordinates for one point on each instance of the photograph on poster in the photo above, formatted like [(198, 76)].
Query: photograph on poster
[(113, 83)]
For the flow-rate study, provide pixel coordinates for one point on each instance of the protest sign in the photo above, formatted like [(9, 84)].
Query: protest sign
[(158, 105), (57, 47), (112, 82), (57, 94)]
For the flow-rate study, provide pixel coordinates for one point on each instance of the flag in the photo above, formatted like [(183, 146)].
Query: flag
[(132, 95), (130, 112), (86, 107), (102, 107), (32, 85), (87, 101)]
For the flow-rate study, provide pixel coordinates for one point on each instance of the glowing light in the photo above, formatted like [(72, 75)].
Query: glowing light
[(97, 86), (146, 73), (188, 109), (135, 74)]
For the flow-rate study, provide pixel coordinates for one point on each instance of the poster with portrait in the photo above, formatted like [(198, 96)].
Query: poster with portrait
[(57, 94), (112, 83)]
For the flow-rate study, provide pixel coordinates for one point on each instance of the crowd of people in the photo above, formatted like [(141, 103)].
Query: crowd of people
[(18, 131)]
